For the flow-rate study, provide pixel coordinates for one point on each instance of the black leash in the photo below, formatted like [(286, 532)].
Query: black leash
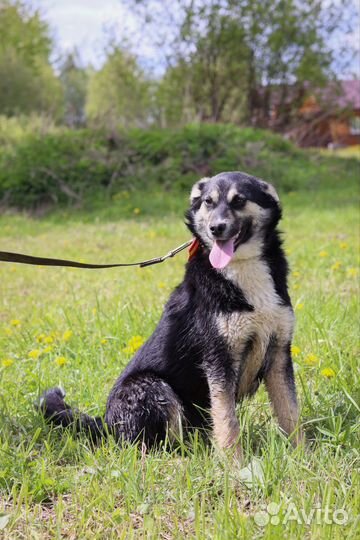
[(7, 256)]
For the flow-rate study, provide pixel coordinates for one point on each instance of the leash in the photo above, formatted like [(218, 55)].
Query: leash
[(7, 256)]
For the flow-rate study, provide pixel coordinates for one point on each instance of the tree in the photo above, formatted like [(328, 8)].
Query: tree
[(27, 81), (118, 93), (74, 81), (238, 57), (217, 67)]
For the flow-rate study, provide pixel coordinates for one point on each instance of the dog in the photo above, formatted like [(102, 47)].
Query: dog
[(227, 327)]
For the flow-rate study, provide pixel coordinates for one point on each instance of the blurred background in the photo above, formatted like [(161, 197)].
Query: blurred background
[(88, 73)]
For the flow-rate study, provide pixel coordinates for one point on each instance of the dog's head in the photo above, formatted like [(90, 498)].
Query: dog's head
[(231, 214)]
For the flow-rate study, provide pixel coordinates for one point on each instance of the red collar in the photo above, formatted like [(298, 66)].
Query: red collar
[(194, 248)]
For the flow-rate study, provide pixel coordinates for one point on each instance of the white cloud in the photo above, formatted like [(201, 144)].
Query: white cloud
[(80, 24)]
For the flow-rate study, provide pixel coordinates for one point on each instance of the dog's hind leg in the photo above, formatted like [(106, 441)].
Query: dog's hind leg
[(280, 384), (144, 407)]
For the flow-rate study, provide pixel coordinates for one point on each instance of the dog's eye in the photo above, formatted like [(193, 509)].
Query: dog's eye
[(209, 202), (238, 202)]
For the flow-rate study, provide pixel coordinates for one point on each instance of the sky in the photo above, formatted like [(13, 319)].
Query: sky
[(81, 24)]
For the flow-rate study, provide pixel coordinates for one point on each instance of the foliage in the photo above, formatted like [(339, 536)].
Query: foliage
[(15, 129), (27, 81), (118, 92), (75, 166), (74, 328), (74, 80), (234, 61), (209, 82), (52, 168)]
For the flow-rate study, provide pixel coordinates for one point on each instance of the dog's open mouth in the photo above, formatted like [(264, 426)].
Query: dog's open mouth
[(223, 250)]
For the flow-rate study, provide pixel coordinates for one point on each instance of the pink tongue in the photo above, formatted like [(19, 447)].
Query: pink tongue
[(221, 253)]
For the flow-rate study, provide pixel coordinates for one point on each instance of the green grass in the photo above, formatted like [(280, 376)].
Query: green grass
[(55, 485)]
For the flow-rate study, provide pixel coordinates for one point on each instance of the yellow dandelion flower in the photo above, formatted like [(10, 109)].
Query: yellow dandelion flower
[(48, 349), (8, 331), (48, 339), (136, 211), (133, 344), (61, 361), (15, 322), (299, 306), (311, 359), (336, 265), (352, 272), (67, 335), (296, 274), (161, 285), (328, 372), (343, 245), (7, 362), (104, 341), (323, 254), (40, 338), (34, 354), (295, 350)]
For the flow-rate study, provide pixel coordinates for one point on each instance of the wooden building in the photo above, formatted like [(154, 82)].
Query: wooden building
[(325, 117), (340, 125)]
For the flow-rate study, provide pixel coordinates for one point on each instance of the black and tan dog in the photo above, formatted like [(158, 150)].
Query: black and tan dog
[(227, 327)]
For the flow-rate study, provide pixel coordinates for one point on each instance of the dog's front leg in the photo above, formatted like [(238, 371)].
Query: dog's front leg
[(280, 384), (226, 428)]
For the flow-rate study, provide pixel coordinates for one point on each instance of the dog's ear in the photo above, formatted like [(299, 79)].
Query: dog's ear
[(197, 190), (270, 190)]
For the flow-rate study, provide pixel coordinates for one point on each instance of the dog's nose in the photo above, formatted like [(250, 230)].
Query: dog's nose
[(218, 228)]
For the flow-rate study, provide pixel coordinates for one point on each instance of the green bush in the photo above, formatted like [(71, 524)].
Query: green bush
[(65, 166)]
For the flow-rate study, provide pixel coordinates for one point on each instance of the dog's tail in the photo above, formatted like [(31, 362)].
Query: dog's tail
[(59, 413)]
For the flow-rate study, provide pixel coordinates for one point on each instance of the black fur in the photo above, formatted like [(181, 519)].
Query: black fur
[(167, 380)]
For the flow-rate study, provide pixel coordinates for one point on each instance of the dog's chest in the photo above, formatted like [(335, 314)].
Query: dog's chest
[(269, 318)]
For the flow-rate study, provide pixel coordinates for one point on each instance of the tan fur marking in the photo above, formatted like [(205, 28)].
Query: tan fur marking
[(283, 403), (225, 423), (196, 190), (231, 194), (273, 192), (195, 193), (214, 194), (269, 188), (255, 211)]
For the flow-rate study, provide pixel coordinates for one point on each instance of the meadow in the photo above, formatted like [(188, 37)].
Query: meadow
[(79, 328)]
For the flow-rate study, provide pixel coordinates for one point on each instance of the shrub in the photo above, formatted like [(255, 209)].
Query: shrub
[(65, 166)]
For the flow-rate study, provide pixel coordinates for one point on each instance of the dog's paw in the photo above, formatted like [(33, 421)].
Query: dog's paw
[(232, 456)]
